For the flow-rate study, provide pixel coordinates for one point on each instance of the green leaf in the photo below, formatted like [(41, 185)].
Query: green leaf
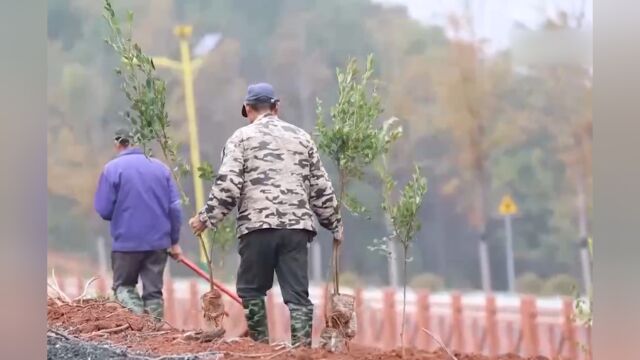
[(205, 171)]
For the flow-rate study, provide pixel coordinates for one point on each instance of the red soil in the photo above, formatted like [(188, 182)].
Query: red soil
[(109, 322)]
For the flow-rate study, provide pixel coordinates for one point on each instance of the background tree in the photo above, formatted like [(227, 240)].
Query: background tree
[(467, 97)]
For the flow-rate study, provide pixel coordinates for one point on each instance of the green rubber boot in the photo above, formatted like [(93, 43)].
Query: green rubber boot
[(301, 324), (155, 308), (255, 312), (128, 296)]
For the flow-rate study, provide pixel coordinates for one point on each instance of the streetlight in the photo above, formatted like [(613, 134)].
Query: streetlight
[(188, 66)]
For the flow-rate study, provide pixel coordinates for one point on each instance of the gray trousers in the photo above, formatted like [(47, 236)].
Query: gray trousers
[(148, 265), (281, 250)]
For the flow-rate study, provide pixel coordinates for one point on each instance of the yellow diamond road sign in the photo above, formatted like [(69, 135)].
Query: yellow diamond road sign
[(507, 206)]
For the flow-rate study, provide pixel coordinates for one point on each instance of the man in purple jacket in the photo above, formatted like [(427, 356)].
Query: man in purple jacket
[(139, 197)]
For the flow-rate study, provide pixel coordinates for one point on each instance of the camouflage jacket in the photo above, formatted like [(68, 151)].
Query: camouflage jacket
[(272, 172)]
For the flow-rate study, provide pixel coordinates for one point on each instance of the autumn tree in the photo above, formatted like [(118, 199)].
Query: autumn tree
[(466, 94)]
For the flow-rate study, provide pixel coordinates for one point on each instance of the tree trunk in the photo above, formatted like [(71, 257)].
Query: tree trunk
[(483, 248), (585, 260), (392, 265), (404, 298), (485, 272)]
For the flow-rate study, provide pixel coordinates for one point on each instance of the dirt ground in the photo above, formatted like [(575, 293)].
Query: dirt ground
[(105, 330)]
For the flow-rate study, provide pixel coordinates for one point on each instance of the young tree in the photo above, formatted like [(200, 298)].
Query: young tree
[(404, 218), (354, 139), (147, 114)]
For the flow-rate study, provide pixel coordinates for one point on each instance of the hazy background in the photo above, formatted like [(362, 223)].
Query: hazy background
[(448, 73)]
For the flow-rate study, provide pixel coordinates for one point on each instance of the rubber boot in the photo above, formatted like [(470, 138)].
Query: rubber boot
[(128, 296), (155, 308), (301, 324), (255, 312)]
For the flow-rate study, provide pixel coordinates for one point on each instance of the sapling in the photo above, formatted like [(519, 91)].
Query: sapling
[(353, 139), (403, 215), (147, 115)]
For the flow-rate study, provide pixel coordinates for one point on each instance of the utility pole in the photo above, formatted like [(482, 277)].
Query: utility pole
[(184, 34), (187, 66)]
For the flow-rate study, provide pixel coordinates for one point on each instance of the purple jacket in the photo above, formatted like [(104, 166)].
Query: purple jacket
[(139, 197)]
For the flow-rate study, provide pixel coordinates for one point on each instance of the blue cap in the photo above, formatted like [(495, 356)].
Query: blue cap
[(261, 93)]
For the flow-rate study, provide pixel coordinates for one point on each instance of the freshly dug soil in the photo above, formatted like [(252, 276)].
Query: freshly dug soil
[(95, 318), (105, 330)]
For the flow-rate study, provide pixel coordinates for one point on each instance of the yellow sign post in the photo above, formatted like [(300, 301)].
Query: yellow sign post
[(508, 208)]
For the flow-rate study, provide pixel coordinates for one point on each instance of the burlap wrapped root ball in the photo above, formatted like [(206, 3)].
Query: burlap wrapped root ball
[(342, 323)]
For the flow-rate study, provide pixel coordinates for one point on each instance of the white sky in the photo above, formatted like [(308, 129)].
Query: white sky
[(495, 19)]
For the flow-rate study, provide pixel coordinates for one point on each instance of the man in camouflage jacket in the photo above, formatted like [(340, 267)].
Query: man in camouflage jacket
[(271, 171)]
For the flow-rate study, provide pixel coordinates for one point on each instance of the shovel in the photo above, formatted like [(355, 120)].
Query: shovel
[(340, 316)]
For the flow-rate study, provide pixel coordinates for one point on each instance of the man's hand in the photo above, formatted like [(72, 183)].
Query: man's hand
[(175, 251), (196, 225)]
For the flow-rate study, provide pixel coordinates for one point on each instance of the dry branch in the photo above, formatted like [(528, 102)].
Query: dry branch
[(86, 287), (57, 287), (59, 294), (440, 343), (113, 330), (282, 352), (115, 312)]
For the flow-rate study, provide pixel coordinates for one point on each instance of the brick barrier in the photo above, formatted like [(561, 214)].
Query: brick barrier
[(474, 322)]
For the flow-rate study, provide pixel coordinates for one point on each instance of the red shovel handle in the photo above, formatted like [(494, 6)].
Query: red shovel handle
[(204, 275)]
